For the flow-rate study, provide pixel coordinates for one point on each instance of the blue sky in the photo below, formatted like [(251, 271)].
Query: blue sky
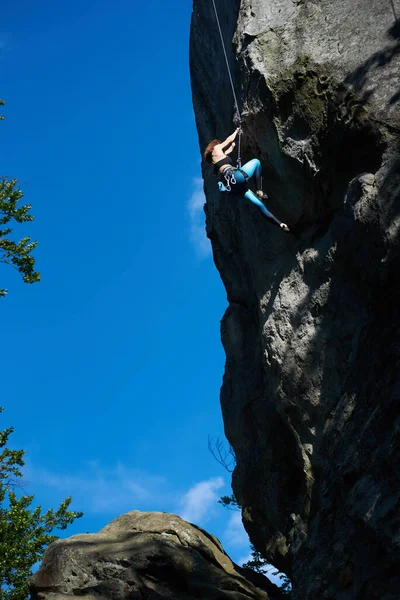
[(113, 363)]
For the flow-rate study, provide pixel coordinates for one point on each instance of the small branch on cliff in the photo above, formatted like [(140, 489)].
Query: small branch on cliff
[(230, 502), (224, 457)]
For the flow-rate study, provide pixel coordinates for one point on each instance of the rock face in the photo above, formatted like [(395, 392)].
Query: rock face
[(311, 333), (145, 556)]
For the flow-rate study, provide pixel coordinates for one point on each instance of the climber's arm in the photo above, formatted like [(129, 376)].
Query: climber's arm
[(230, 139)]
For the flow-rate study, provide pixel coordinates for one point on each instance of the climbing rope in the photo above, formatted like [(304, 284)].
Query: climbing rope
[(238, 115), (239, 136)]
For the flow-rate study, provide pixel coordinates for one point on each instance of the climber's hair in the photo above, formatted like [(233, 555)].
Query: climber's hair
[(209, 150)]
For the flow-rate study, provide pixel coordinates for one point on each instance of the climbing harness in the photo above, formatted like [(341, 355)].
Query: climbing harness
[(238, 117), (230, 180), (229, 176)]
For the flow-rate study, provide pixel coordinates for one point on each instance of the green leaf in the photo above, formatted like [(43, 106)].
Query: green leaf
[(25, 532), (16, 254)]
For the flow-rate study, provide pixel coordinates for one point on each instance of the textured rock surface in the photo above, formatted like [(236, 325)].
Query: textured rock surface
[(311, 332), (145, 556)]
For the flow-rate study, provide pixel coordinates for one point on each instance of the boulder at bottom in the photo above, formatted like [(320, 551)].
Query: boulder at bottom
[(146, 556)]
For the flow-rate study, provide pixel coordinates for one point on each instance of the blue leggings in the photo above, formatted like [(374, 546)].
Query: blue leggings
[(253, 169)]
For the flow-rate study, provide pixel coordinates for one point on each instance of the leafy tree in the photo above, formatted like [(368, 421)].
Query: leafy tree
[(16, 254), (259, 564), (257, 561), (227, 458), (25, 532)]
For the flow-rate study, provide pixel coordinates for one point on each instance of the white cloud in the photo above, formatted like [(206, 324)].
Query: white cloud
[(103, 490), (235, 534), (197, 504), (195, 205)]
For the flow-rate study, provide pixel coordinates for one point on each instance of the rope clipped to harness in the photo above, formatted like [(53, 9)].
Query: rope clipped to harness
[(238, 117)]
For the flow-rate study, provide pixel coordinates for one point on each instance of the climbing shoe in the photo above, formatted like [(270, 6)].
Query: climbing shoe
[(264, 196), (284, 227)]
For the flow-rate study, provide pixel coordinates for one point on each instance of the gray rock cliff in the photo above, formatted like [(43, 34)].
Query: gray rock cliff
[(311, 334), (146, 556)]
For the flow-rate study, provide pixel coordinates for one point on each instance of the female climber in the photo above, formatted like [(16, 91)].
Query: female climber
[(234, 179)]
